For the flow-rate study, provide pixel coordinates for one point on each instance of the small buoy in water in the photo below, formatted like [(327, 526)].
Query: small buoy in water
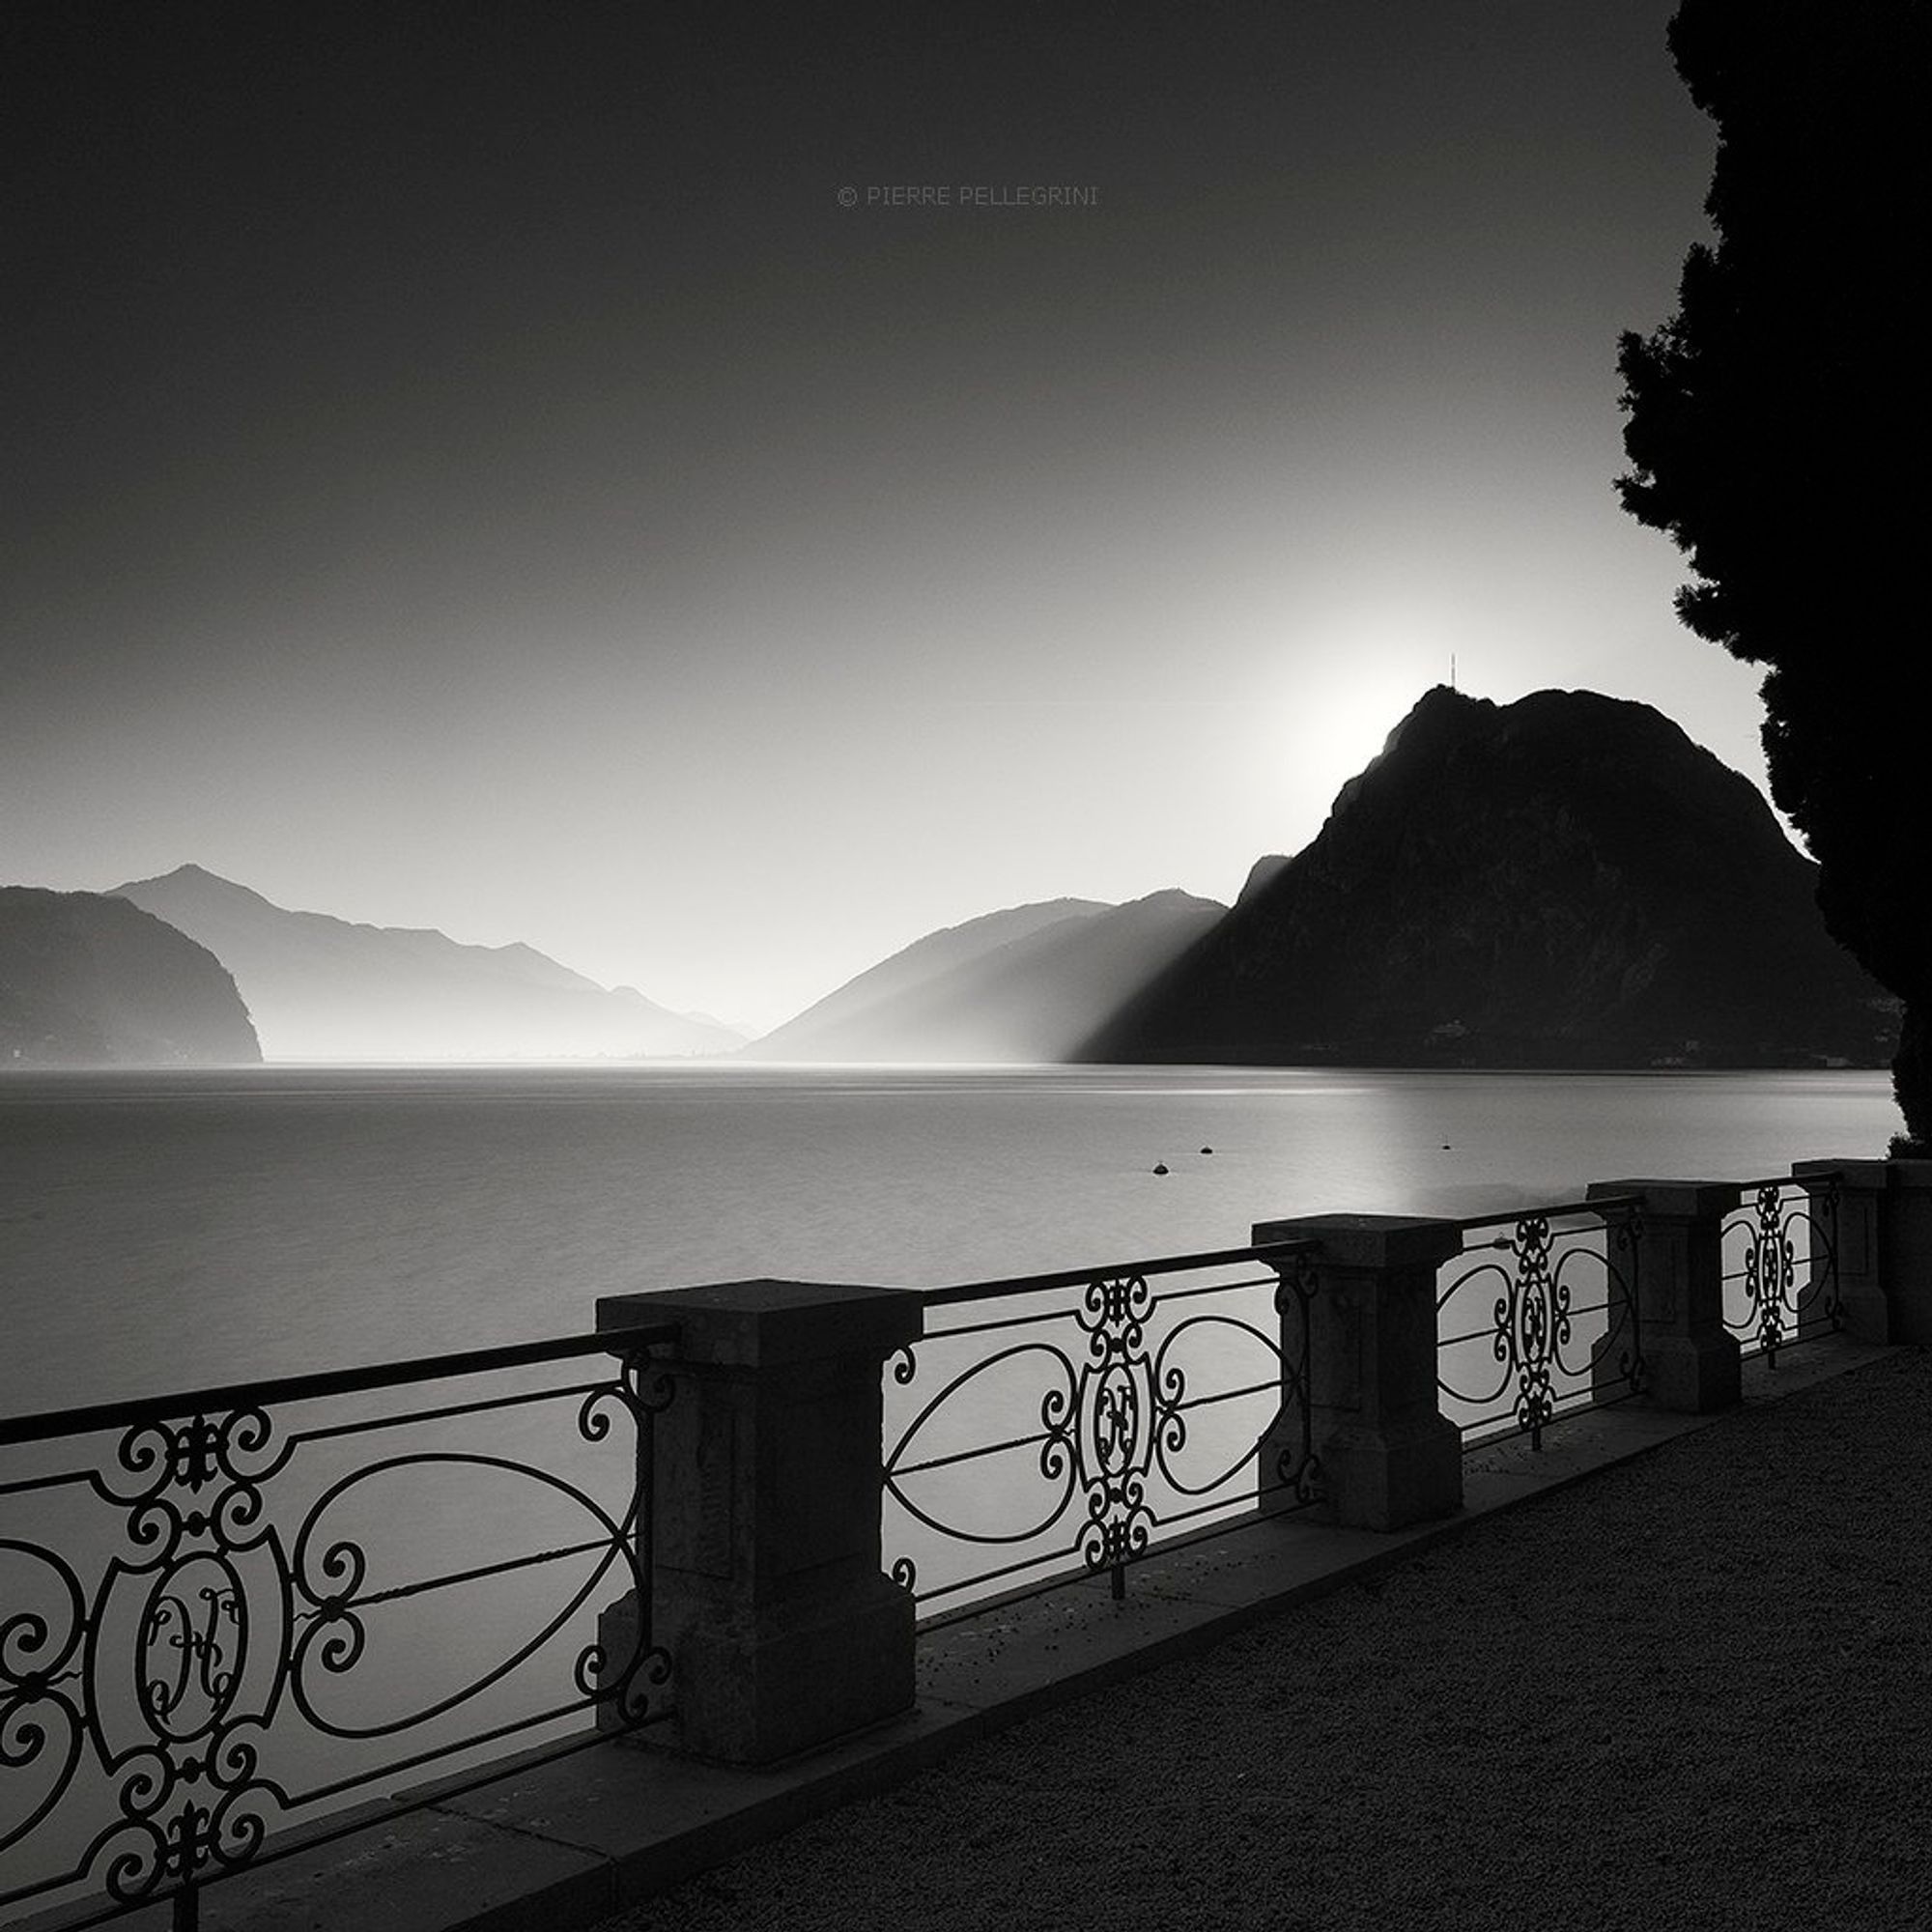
[(1160, 1167), (1206, 1149), (1446, 1146)]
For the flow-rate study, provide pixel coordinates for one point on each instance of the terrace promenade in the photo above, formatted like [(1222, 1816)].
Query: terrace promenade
[(1389, 1570), (1668, 1672), (1694, 1690)]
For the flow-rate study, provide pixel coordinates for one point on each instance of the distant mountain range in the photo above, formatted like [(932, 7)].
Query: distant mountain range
[(1565, 881), (322, 988), (1023, 984), (90, 980)]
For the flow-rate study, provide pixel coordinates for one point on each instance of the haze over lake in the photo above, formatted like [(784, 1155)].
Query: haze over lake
[(166, 1231)]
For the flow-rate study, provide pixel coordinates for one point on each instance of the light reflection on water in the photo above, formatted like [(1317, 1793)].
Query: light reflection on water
[(160, 1232)]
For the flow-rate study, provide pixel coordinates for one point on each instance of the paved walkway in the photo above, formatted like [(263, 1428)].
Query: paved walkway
[(1692, 1691)]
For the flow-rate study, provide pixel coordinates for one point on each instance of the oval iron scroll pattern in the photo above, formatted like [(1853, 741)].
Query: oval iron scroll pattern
[(1785, 1298), (1075, 1430), (176, 1594), (1546, 1349)]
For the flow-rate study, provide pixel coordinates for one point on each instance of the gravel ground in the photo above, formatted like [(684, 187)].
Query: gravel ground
[(1693, 1692)]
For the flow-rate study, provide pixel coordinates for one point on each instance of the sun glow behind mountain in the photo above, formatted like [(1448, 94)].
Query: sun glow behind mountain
[(1338, 701), (493, 481)]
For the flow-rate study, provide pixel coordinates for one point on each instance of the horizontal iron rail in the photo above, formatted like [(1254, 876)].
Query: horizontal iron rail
[(1576, 1311), (477, 1573), (447, 1411), (139, 1409), (985, 1451), (1041, 1317), (1603, 1207), (1038, 1284)]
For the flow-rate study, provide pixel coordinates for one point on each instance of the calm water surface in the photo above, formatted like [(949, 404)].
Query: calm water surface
[(161, 1231)]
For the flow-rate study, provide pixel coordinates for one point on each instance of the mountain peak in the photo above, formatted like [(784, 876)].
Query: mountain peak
[(1440, 708), (326, 989), (192, 879), (1565, 880), (1435, 720)]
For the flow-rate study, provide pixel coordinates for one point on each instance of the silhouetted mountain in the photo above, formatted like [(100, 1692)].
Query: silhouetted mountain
[(1563, 881), (1023, 984), (1261, 873), (320, 988), (90, 980), (870, 1000)]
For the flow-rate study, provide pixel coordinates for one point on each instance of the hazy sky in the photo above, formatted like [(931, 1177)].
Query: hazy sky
[(467, 466)]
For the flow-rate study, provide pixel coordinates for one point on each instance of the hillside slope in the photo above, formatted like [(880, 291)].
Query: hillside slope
[(322, 988), (1022, 984), (87, 980)]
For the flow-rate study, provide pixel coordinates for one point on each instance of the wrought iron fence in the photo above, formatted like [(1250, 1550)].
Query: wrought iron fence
[(1064, 1424), (1781, 1251), (226, 1617), (1535, 1351)]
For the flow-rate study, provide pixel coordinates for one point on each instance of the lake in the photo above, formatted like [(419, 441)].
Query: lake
[(159, 1231)]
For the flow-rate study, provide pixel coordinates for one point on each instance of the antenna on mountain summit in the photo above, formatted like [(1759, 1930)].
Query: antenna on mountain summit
[(1452, 670)]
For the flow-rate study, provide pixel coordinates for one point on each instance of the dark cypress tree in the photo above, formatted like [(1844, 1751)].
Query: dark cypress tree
[(1778, 432)]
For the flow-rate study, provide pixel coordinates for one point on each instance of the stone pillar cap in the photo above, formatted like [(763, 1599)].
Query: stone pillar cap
[(768, 1324), (1687, 1199), (1368, 1240), (1861, 1171)]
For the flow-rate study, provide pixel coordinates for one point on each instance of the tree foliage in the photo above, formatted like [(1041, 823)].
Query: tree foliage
[(1778, 432)]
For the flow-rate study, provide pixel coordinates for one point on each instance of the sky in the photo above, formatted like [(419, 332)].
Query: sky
[(717, 495)]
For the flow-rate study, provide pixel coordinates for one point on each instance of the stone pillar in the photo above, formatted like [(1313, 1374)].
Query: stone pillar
[(1387, 1454), (1852, 1233), (1905, 1249), (784, 1632), (1692, 1362)]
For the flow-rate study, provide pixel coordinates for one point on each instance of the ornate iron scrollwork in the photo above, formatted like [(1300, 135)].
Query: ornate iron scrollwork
[(1784, 1301), (1105, 1417), (1770, 1269), (1297, 1469), (1116, 1422), (1535, 1326), (181, 1600)]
